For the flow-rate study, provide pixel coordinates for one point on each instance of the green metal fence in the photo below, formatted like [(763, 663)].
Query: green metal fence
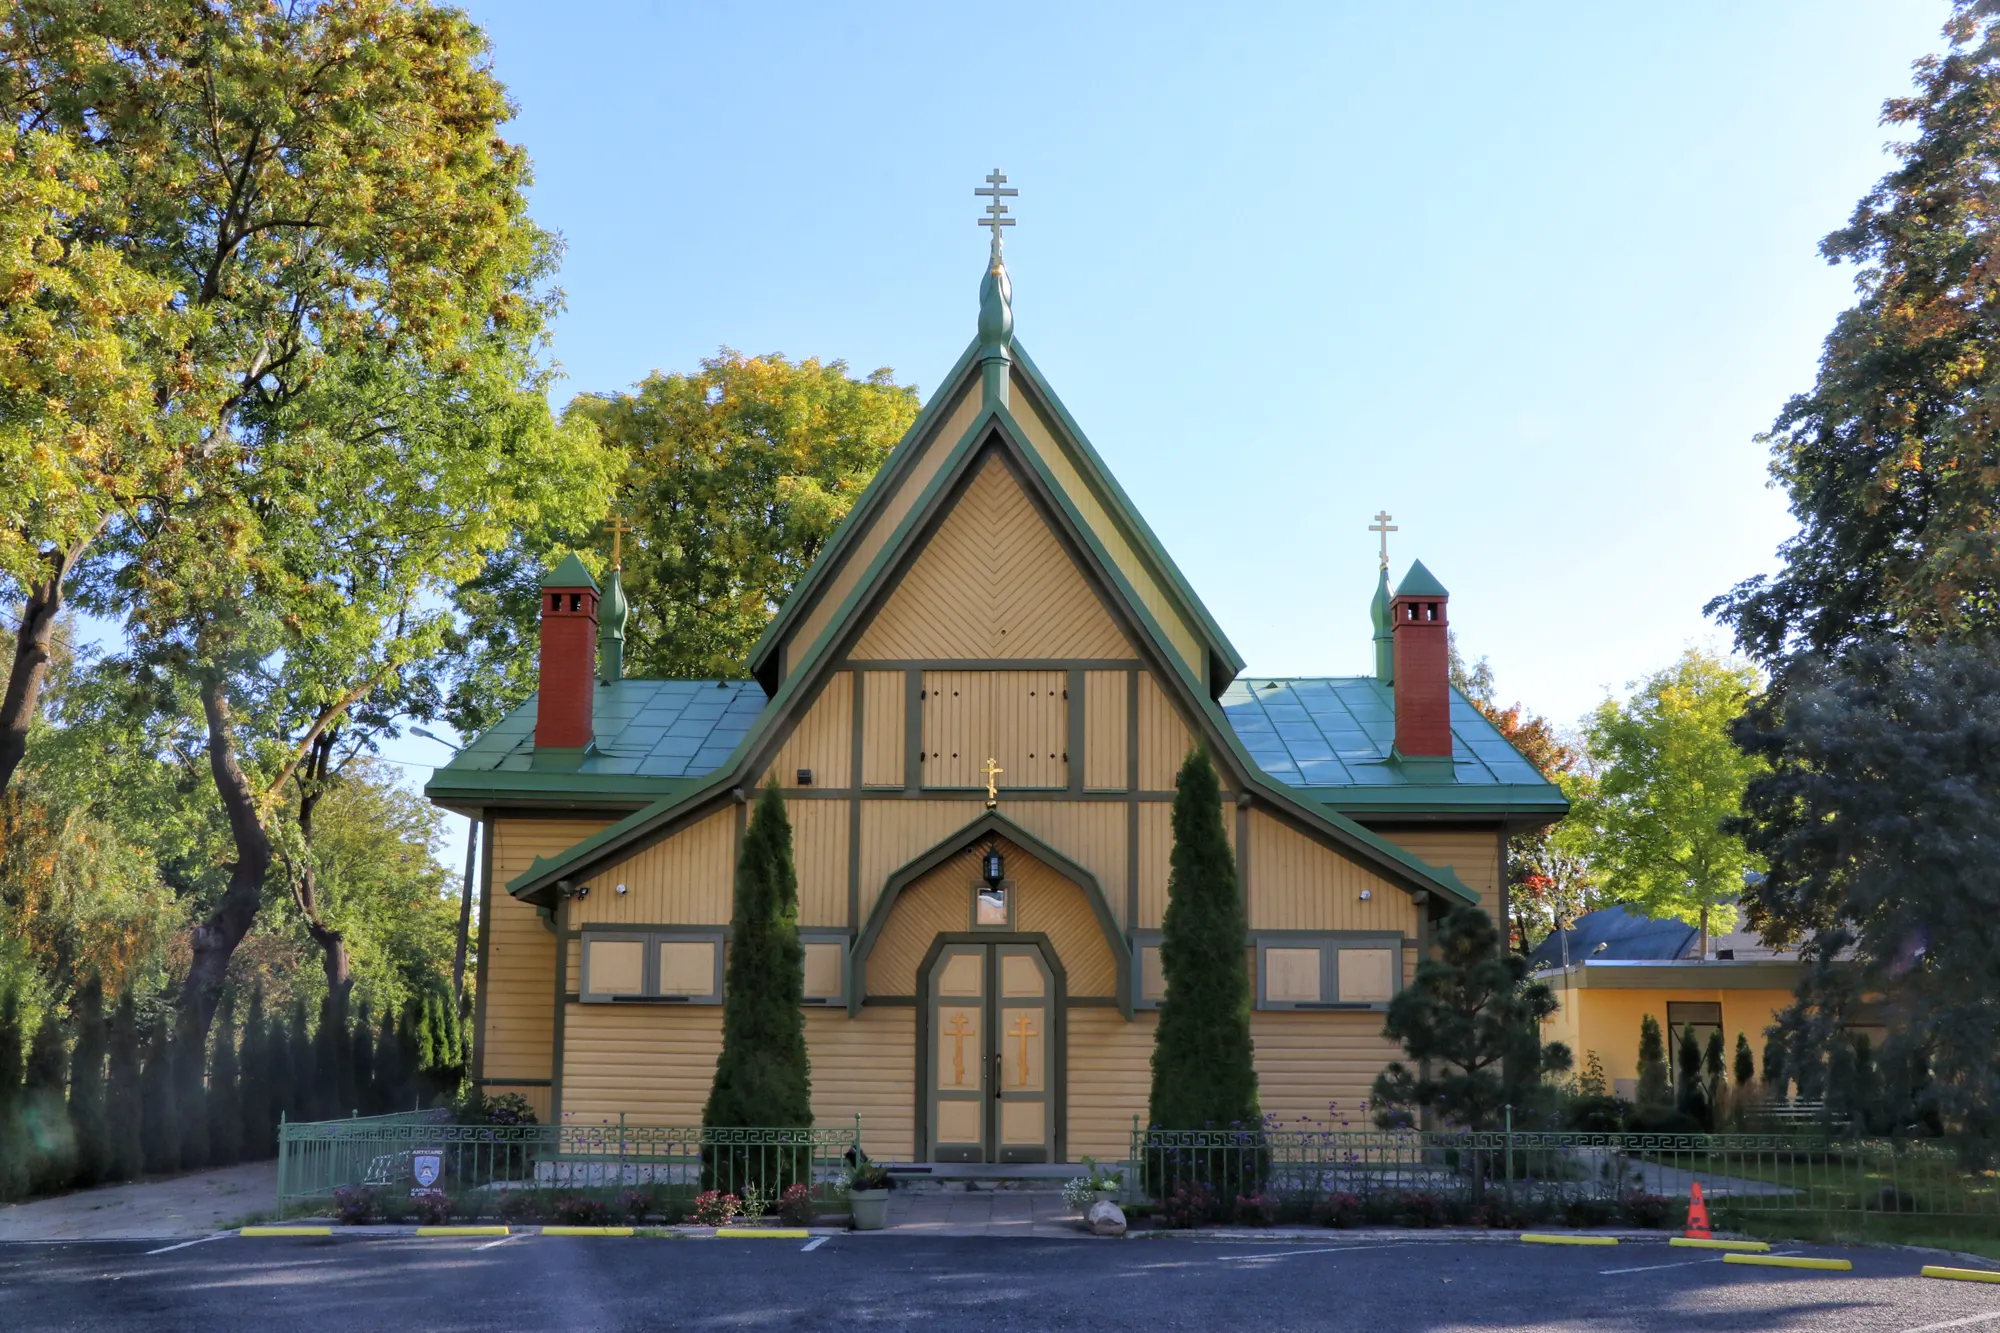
[(498, 1170), (1403, 1176)]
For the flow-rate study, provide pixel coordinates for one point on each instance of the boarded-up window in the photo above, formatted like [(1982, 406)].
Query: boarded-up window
[(616, 967), (1367, 976), (687, 967), (642, 966), (1152, 982), (1018, 719), (826, 969), (1291, 976), (1330, 971)]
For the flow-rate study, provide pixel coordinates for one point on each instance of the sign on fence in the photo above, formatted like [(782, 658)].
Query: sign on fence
[(425, 1166)]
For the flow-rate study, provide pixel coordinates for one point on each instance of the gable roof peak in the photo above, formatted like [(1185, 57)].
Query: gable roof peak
[(1420, 582)]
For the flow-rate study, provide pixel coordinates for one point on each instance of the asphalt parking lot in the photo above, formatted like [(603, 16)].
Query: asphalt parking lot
[(939, 1285)]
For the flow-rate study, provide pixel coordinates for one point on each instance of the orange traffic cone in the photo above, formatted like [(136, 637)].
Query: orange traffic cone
[(1697, 1228)]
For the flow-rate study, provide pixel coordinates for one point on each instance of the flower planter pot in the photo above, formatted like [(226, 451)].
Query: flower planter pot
[(1104, 1196), (870, 1209)]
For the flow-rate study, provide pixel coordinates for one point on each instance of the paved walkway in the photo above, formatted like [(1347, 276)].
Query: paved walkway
[(980, 1213), (181, 1206)]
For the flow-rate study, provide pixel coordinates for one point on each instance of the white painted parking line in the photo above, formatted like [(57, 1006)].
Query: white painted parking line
[(167, 1249), (812, 1244), (1286, 1254), (1685, 1263), (502, 1241), (1956, 1323)]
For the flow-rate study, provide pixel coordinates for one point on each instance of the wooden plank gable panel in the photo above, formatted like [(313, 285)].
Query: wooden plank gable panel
[(1090, 833), (882, 718), (1164, 739), (687, 878), (896, 832), (1298, 884), (1019, 719), (1105, 731), (823, 740), (819, 854), (1186, 643), (992, 582), (1473, 853), (1156, 850), (931, 454)]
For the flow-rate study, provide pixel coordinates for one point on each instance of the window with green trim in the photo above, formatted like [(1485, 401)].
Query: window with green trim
[(651, 967), (1331, 970), (825, 966)]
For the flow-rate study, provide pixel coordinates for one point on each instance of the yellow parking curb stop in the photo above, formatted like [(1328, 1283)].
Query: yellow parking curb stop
[(462, 1231), (586, 1231), (1961, 1274), (1691, 1243), (285, 1231), (1787, 1261), (761, 1233), (1543, 1238)]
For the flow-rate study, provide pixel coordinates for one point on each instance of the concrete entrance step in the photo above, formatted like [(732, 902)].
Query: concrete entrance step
[(973, 1177)]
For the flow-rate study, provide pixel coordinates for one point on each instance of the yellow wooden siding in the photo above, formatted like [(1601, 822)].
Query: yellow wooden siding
[(992, 582), (1019, 719), (1156, 850), (819, 853), (823, 741), (866, 1066), (933, 449), (1164, 739), (1299, 884), (1110, 1078), (520, 965), (685, 879), (573, 970), (1318, 1065), (895, 833), (652, 1063), (1044, 901), (1090, 833), (882, 715), (1106, 754), (1150, 591), (1473, 853)]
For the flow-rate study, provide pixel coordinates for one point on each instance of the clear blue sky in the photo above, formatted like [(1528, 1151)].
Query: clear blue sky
[(1529, 276)]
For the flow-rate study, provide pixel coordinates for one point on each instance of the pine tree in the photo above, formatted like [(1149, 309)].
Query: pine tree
[(124, 1107), (1688, 1099), (191, 1091), (1714, 1078), (13, 1130), (1655, 1094), (88, 1129), (1203, 1074), (1745, 1072), (225, 1098), (51, 1145), (159, 1129), (762, 1077), (1775, 1078), (254, 1081), (302, 1098), (361, 1047)]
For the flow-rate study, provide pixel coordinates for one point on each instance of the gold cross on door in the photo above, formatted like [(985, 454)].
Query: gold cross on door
[(1024, 1028)]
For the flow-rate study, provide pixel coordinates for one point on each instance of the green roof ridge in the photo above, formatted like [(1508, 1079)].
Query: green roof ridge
[(1420, 582), (570, 574)]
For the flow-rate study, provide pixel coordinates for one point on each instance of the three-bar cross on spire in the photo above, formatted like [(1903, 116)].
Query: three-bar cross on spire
[(996, 212), (1385, 527)]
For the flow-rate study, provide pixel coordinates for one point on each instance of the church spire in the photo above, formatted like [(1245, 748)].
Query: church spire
[(996, 295), (1385, 649)]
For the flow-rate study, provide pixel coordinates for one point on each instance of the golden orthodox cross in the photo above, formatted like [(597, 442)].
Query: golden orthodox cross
[(1024, 1028), (1385, 527), (996, 212), (618, 528), (959, 1031), (992, 771)]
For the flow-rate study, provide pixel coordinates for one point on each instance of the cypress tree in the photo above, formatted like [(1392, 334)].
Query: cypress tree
[(1655, 1093), (51, 1145), (254, 1081), (278, 1059), (302, 1097), (361, 1058), (390, 1081), (1203, 1073), (225, 1100), (159, 1127), (191, 1092), (409, 1052), (762, 1077), (1775, 1079), (86, 1086), (1687, 1076), (326, 1064), (1745, 1072), (13, 1131), (346, 1097), (1714, 1078), (124, 1105)]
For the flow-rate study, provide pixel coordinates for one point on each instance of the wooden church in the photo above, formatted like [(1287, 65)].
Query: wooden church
[(993, 610)]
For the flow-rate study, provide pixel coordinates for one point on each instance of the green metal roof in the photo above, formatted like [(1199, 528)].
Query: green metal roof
[(569, 574), (643, 728), (1331, 738), (1420, 582)]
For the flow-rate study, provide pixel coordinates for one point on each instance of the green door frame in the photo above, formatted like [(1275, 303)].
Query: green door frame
[(1055, 1038)]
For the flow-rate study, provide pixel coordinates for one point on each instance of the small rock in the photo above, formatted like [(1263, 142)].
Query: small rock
[(1106, 1219)]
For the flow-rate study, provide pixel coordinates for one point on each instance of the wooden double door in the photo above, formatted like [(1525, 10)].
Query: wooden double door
[(992, 1077)]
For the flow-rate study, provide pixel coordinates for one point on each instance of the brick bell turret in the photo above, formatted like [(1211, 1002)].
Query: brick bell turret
[(569, 658), (1422, 666)]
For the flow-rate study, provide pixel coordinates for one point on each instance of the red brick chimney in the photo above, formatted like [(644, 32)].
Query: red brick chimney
[(569, 658), (1423, 666)]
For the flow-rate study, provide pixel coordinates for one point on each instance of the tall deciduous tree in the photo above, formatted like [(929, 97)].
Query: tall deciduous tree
[(762, 1077), (1203, 1071), (1669, 776), (738, 474), (1471, 1020)]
